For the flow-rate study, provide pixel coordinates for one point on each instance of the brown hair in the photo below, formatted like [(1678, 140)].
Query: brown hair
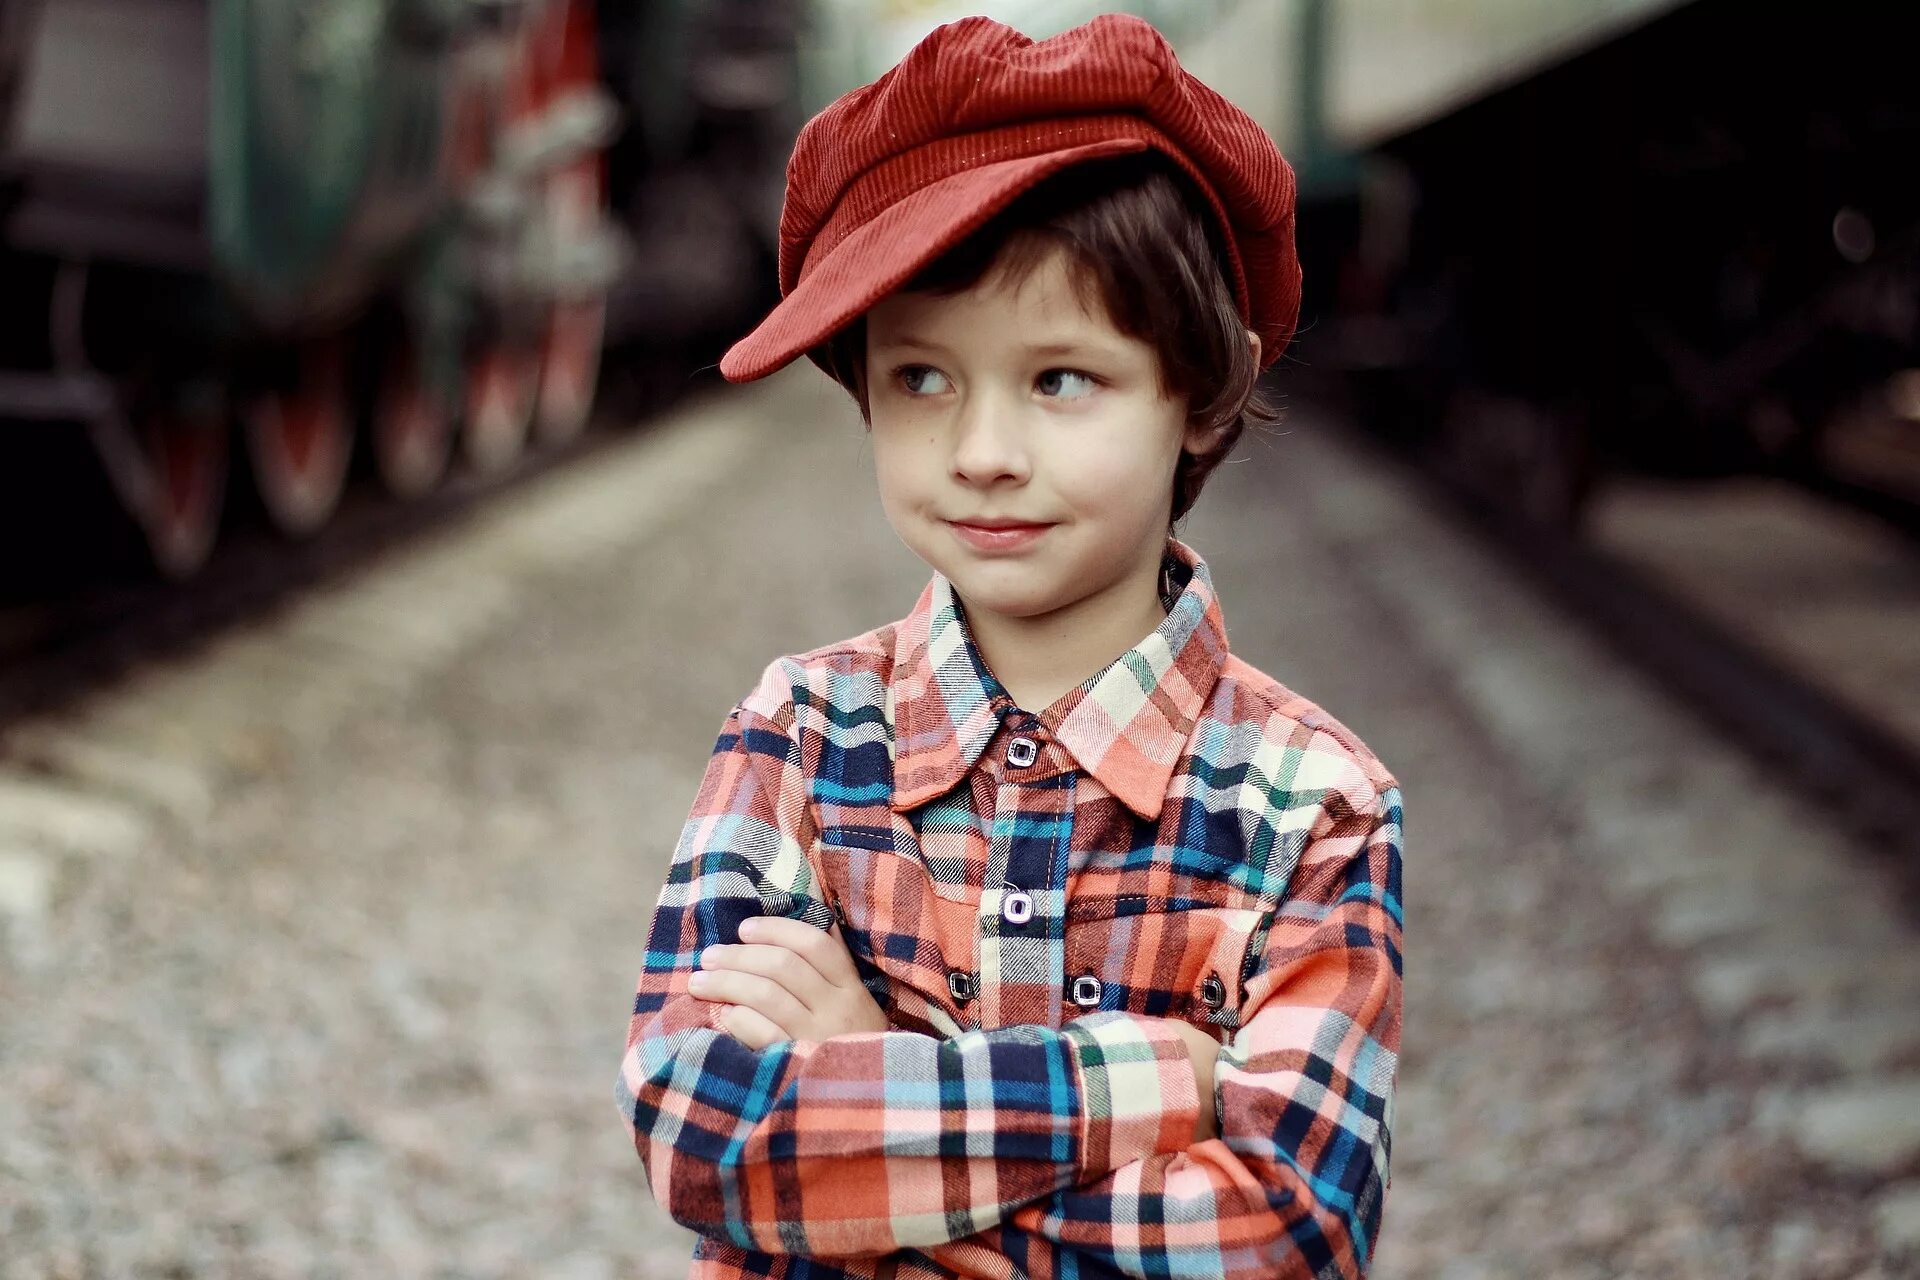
[(1147, 253)]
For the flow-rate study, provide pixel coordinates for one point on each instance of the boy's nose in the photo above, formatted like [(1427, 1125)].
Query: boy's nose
[(986, 443)]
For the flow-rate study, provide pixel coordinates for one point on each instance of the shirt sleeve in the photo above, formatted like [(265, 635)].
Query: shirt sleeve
[(1294, 1185), (861, 1144)]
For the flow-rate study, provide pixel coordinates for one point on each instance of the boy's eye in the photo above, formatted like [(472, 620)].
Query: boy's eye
[(921, 380), (1066, 384)]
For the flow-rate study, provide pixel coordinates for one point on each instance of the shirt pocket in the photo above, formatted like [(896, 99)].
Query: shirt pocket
[(905, 937), (1160, 957)]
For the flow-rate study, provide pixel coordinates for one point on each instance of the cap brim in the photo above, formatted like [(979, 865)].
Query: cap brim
[(890, 250)]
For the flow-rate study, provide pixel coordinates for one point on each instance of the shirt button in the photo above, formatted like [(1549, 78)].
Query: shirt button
[(1022, 752), (960, 985), (1016, 907), (1214, 991), (1086, 991)]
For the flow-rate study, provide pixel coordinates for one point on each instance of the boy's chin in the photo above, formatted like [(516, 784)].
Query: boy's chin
[(1010, 590)]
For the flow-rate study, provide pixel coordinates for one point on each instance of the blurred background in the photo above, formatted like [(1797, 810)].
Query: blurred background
[(382, 554)]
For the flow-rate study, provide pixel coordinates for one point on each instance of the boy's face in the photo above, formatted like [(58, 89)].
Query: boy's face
[(1012, 403)]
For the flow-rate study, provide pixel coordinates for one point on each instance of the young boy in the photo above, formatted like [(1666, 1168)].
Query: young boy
[(1033, 934)]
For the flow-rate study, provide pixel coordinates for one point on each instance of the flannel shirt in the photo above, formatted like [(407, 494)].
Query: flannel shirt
[(1031, 899)]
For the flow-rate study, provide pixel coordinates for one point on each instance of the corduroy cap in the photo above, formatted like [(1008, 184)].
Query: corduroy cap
[(896, 173)]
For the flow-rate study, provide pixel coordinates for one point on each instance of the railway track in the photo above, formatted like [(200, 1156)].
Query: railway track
[(61, 639), (1864, 770)]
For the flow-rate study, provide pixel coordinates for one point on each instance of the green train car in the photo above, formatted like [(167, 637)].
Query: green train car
[(265, 234)]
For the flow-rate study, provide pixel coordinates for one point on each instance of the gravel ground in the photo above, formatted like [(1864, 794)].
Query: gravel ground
[(365, 1022)]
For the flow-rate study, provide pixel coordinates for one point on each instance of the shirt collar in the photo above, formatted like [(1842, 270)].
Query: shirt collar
[(1127, 725)]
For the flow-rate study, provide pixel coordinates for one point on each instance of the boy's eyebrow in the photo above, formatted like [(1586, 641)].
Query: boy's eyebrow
[(1067, 348), (909, 340)]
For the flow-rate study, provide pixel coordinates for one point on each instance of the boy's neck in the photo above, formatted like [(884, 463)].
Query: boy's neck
[(1038, 659)]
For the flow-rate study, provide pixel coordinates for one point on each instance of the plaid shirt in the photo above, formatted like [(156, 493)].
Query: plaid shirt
[(1031, 900)]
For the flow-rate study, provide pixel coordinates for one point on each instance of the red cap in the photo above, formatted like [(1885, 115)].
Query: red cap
[(895, 173)]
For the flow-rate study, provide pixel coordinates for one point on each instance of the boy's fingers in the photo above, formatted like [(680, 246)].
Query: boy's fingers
[(825, 953), (762, 995), (751, 1027), (775, 963)]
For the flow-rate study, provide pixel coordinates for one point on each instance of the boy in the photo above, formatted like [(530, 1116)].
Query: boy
[(985, 951)]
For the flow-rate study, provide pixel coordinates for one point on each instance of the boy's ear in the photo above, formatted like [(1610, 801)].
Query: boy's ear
[(1200, 436)]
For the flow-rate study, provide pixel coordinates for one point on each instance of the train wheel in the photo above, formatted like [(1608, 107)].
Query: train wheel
[(570, 369), (412, 427), (186, 457), (503, 394), (300, 439), (576, 202), (1519, 458)]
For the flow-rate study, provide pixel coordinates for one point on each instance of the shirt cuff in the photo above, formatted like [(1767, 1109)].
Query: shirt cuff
[(1137, 1091)]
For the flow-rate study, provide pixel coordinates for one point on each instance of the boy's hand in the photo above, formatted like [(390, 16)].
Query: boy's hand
[(1203, 1051), (785, 981)]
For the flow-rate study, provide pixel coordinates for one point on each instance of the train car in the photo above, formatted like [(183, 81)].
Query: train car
[(245, 237), (712, 94), (1559, 239)]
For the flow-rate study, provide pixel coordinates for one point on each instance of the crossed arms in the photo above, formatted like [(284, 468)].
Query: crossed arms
[(994, 1144)]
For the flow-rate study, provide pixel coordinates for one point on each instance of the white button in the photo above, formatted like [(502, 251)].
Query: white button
[(1214, 991), (1016, 908), (1086, 991), (1022, 752)]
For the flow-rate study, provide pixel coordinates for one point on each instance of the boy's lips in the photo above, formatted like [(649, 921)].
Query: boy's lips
[(996, 534)]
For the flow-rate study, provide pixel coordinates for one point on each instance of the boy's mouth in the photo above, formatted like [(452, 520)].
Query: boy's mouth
[(996, 534)]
